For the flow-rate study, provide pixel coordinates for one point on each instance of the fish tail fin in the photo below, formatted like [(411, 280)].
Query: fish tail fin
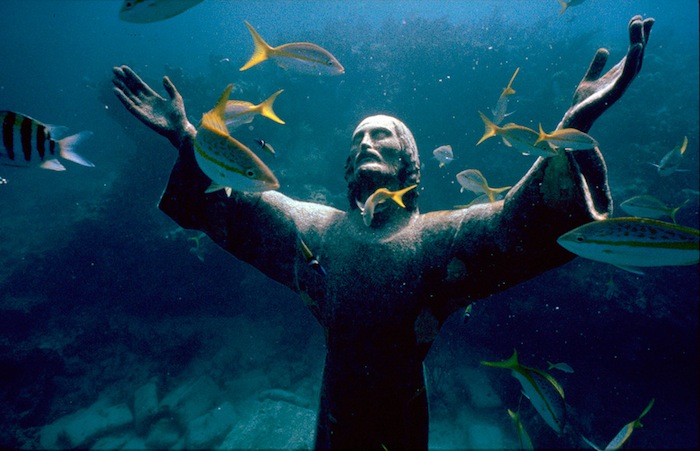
[(511, 363), (266, 108), (673, 212), (68, 145), (508, 91), (496, 191), (685, 145), (541, 137), (564, 5), (398, 195), (646, 410), (261, 52), (214, 119), (490, 130)]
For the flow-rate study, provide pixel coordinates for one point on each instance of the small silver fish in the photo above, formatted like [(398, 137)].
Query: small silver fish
[(561, 366), (264, 145), (444, 155)]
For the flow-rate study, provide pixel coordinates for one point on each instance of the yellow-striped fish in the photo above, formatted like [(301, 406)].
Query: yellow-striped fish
[(473, 180), (634, 242), (299, 56), (228, 163), (625, 433), (239, 112), (518, 137), (567, 3), (672, 160), (567, 138), (523, 436), (543, 391), (27, 142), (646, 206), (146, 11), (311, 258), (379, 197), (499, 112), (627, 429)]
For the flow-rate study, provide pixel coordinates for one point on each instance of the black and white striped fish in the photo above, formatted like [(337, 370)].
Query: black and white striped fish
[(27, 142)]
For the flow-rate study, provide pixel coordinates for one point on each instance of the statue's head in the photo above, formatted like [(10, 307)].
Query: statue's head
[(383, 155)]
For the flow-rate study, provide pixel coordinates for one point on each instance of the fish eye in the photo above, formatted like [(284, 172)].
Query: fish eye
[(579, 238), (250, 173)]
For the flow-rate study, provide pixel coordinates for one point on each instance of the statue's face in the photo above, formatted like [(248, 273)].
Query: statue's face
[(376, 149)]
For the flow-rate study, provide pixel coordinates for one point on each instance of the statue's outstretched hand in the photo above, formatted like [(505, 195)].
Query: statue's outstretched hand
[(597, 93), (165, 116)]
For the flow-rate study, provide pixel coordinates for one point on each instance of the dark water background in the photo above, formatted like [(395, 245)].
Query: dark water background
[(100, 291)]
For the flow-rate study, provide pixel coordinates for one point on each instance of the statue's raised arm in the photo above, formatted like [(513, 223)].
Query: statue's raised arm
[(596, 93), (263, 229), (517, 237)]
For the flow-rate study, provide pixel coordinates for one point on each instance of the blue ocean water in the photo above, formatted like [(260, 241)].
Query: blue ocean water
[(100, 291)]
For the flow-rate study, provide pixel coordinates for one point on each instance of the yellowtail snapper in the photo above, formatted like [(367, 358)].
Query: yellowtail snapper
[(670, 162), (625, 432), (567, 138), (228, 163), (646, 206), (299, 56), (379, 197), (543, 391), (146, 11), (239, 112), (473, 180), (523, 437), (311, 258), (630, 243), (27, 142), (520, 138), (499, 112)]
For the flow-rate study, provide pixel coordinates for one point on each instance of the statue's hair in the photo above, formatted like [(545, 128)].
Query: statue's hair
[(409, 172)]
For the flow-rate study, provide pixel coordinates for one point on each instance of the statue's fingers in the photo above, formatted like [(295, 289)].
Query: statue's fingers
[(170, 88), (123, 98), (648, 23), (636, 31), (597, 65), (633, 63)]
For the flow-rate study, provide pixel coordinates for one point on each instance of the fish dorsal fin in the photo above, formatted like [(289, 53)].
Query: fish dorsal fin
[(214, 119), (262, 49)]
